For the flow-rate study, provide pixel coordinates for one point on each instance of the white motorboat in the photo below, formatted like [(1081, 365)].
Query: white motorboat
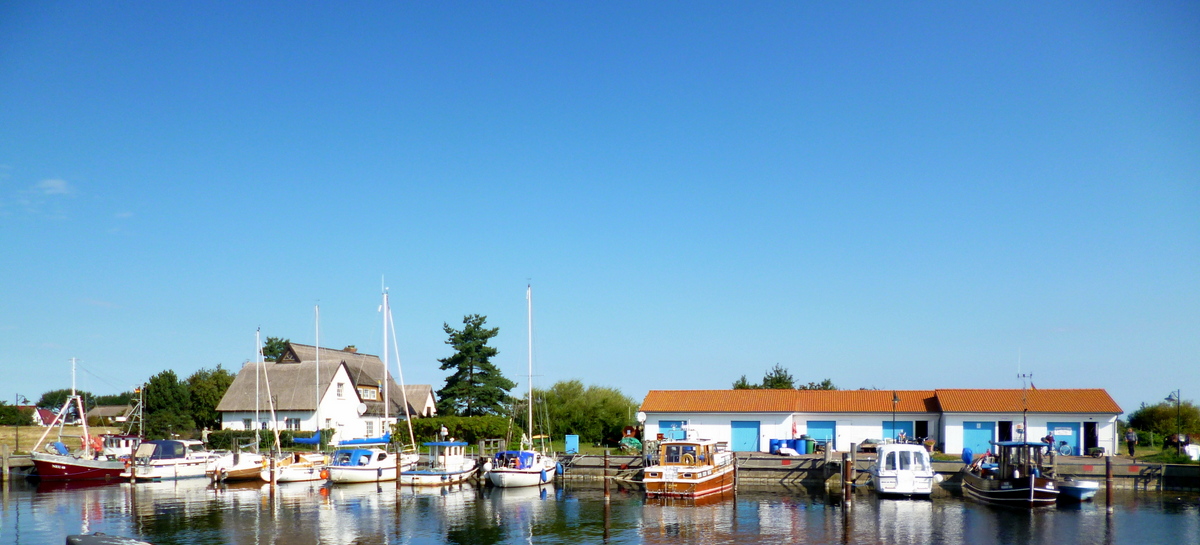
[(902, 470), (168, 459), (447, 465), (363, 463)]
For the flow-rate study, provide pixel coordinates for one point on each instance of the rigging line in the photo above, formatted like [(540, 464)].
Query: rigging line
[(96, 376)]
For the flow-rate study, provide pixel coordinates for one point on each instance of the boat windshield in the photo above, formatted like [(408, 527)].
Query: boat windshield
[(673, 454), (906, 460)]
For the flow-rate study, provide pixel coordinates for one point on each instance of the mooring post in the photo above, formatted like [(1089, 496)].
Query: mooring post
[(4, 461), (274, 474), (853, 462), (606, 475), (1108, 484), (847, 493)]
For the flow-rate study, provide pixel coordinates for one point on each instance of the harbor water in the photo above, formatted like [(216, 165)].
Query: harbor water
[(194, 512)]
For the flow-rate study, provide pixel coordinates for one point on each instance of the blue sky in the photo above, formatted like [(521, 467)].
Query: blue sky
[(886, 195)]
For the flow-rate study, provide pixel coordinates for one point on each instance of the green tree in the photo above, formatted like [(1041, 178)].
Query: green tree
[(476, 387), (206, 387), (778, 378), (594, 413), (123, 398), (743, 384), (826, 384), (11, 415), (274, 348), (168, 406), (1160, 419), (54, 399)]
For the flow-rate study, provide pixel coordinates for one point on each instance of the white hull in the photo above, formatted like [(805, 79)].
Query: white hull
[(902, 470), (516, 478), (373, 473), (428, 477), (162, 470), (293, 474)]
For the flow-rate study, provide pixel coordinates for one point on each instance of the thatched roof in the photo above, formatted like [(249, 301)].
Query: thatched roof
[(293, 381)]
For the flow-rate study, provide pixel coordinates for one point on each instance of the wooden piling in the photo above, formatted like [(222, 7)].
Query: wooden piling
[(847, 490), (4, 455), (606, 492), (1108, 484)]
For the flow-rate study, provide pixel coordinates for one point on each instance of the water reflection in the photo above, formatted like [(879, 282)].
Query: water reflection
[(191, 511)]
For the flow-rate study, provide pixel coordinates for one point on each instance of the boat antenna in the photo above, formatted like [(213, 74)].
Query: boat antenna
[(1024, 404), (258, 370)]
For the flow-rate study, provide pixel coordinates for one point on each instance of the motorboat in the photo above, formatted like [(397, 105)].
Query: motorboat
[(1070, 490), (690, 468), (902, 469), (1013, 475), (447, 465), (236, 466), (364, 461), (168, 459)]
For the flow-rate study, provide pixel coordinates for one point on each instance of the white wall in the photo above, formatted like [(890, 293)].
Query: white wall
[(1105, 427), (718, 427)]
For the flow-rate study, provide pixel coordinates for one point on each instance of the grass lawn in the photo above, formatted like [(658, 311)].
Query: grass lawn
[(29, 436)]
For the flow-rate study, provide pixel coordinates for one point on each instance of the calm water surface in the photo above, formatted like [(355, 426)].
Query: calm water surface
[(192, 512)]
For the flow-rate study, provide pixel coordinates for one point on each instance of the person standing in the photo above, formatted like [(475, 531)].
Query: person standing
[(1131, 440)]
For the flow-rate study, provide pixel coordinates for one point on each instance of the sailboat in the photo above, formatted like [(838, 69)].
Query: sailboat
[(525, 467), (366, 460), (89, 463), (299, 466), (238, 465)]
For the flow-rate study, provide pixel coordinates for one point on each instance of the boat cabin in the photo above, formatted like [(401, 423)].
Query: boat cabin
[(1016, 459), (514, 459), (687, 452), (358, 456), (168, 450)]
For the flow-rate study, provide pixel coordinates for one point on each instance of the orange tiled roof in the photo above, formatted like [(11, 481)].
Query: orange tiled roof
[(788, 401), (879, 401), (1037, 401)]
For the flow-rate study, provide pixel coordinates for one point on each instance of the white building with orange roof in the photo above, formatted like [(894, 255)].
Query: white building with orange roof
[(748, 420)]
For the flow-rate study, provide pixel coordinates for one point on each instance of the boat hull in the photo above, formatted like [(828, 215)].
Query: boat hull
[(55, 467), (428, 477), (1018, 492), (681, 484), (166, 470), (347, 474), (517, 478), (1077, 491)]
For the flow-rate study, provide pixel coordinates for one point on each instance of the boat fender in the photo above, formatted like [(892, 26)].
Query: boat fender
[(543, 476), (559, 467), (324, 473), (968, 456), (937, 478)]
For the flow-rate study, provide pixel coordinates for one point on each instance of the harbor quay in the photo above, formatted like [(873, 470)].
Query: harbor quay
[(762, 469)]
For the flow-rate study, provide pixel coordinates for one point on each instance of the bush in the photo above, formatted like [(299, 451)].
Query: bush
[(225, 439), (462, 428)]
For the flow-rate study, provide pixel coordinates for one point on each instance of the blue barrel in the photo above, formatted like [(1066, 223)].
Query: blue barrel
[(776, 444), (801, 445)]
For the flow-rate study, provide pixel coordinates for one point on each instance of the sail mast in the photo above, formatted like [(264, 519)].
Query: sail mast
[(318, 375), (386, 401), (258, 358), (529, 319)]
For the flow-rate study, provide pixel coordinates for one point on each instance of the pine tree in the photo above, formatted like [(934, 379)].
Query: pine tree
[(476, 387)]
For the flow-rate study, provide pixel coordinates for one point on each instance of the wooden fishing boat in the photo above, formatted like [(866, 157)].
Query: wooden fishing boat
[(1012, 476), (689, 468)]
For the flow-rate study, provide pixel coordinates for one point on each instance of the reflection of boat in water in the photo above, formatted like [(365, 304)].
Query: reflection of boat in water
[(1013, 477), (686, 520), (66, 486), (902, 470), (447, 465), (689, 468)]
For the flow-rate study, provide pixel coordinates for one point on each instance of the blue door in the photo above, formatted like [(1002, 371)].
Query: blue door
[(824, 432), (891, 430), (672, 429), (1065, 431), (744, 436), (978, 436)]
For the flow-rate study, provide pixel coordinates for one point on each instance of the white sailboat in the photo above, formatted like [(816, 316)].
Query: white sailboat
[(297, 466), (366, 460), (239, 465), (525, 467)]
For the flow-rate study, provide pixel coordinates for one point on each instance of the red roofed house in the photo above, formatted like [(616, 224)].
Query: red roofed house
[(955, 419)]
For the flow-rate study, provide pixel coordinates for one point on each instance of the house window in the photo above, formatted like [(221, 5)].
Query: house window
[(341, 393), (291, 423), (370, 429), (367, 393), (247, 424)]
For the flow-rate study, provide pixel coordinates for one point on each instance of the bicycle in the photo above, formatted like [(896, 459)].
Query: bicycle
[(1065, 449)]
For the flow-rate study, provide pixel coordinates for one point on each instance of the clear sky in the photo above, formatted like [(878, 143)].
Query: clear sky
[(888, 195)]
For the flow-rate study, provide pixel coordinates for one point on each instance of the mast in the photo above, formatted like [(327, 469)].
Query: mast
[(318, 375), (257, 371), (529, 319), (386, 401), (400, 374), (87, 440)]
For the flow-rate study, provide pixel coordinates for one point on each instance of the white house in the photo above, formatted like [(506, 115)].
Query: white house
[(954, 419), (351, 388)]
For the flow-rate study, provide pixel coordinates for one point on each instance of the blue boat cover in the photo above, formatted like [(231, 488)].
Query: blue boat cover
[(387, 438), (61, 448), (446, 444), (352, 457), (515, 459), (307, 440), (167, 450)]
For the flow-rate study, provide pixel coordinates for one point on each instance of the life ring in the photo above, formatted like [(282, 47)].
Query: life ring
[(688, 460)]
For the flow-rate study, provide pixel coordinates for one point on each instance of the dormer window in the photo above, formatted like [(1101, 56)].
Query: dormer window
[(368, 394)]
